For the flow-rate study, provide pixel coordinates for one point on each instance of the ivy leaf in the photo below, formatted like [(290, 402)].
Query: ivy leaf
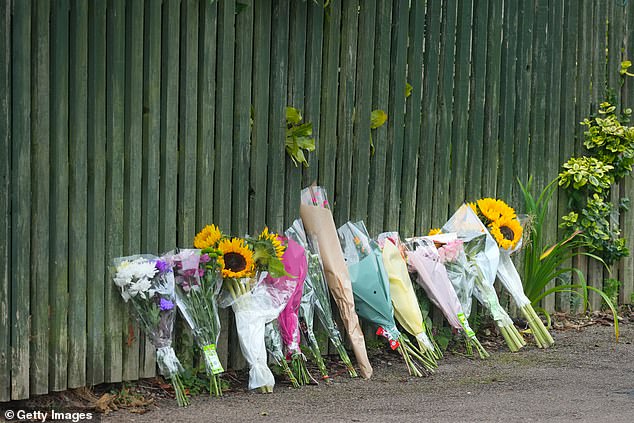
[(408, 89), (377, 118), (293, 116)]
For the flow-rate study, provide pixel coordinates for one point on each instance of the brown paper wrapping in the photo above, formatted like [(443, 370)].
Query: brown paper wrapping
[(318, 223)]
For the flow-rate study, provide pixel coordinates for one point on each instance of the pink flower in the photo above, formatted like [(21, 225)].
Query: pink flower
[(450, 251)]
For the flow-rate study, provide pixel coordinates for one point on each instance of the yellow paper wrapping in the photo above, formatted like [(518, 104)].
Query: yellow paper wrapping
[(320, 225), (406, 309)]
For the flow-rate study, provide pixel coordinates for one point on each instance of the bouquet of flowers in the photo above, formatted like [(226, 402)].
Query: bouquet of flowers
[(483, 257), (320, 226), (459, 271), (273, 342), (197, 286), (502, 223), (294, 260), (244, 264), (406, 308), (148, 284), (424, 258), (316, 297), (371, 288)]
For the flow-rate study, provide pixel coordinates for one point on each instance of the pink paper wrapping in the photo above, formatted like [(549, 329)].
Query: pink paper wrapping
[(319, 224), (295, 264)]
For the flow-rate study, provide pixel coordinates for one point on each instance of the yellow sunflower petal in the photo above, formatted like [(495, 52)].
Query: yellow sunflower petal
[(208, 237), (273, 238), (507, 232), (489, 208), (434, 231)]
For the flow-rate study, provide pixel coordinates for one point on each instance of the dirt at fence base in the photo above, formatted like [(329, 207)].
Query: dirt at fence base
[(585, 377)]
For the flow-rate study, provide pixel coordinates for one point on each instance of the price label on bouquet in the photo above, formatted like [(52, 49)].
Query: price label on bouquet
[(212, 358), (465, 325)]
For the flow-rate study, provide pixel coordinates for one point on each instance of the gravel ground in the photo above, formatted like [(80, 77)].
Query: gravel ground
[(585, 377)]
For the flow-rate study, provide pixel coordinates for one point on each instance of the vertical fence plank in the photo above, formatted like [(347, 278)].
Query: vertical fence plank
[(327, 141), (20, 198), (461, 105), (40, 152), (58, 250), (133, 176), (598, 52), (224, 115), (627, 222), (507, 184), (552, 116), (420, 134), (259, 140), (206, 123), (115, 116), (522, 92), (396, 115), (583, 96), (77, 193), (419, 106), (492, 109), (170, 54), (242, 118), (538, 167), (150, 190), (187, 124), (440, 199), (5, 200), (96, 190), (477, 94), (345, 118), (568, 75), (277, 114), (223, 148), (312, 101), (187, 146), (363, 110), (380, 100), (295, 98)]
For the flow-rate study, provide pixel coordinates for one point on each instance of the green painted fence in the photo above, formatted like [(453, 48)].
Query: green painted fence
[(126, 125)]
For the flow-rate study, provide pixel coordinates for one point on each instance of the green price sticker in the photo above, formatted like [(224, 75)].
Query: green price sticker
[(211, 356)]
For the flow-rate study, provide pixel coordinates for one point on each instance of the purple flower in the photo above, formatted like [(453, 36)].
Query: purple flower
[(204, 258), (166, 304), (163, 266)]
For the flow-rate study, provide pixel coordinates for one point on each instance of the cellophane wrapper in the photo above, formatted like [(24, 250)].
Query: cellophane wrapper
[(261, 302), (197, 293)]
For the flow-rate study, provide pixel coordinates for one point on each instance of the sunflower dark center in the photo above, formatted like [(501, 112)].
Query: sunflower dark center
[(235, 262), (507, 233)]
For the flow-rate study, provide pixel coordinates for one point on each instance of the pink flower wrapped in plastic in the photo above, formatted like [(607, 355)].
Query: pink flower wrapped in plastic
[(450, 251), (296, 266)]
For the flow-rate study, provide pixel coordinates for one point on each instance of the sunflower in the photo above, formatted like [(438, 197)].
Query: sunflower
[(506, 211), (208, 237), (236, 260), (490, 209), (434, 231), (507, 232), (273, 239)]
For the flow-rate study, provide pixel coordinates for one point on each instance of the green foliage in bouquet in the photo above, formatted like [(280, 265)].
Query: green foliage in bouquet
[(543, 263), (298, 136)]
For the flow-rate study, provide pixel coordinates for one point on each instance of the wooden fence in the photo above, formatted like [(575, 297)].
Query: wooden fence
[(125, 126)]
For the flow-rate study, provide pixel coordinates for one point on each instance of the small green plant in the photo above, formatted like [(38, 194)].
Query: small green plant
[(611, 288), (588, 181), (195, 380), (298, 136), (543, 263)]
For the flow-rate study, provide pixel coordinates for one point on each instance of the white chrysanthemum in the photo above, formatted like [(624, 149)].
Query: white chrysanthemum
[(125, 273), (139, 287), (144, 269)]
